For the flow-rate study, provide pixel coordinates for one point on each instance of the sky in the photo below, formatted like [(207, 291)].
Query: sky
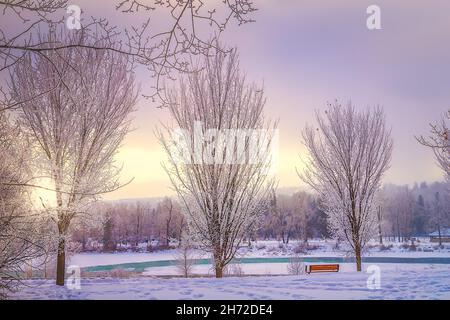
[(309, 52)]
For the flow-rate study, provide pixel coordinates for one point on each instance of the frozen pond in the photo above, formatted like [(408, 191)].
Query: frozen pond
[(142, 266)]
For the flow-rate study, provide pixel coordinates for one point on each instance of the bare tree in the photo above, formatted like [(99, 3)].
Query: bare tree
[(289, 215), (439, 141), (400, 207), (380, 221), (162, 49), (109, 245), (348, 155), (219, 158), (20, 239), (281, 215), (169, 221), (438, 213), (169, 209), (138, 223), (76, 128), (302, 214), (186, 256)]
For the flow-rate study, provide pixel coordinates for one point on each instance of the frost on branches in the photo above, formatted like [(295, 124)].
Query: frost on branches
[(439, 141), (21, 239), (76, 127), (219, 158), (348, 154)]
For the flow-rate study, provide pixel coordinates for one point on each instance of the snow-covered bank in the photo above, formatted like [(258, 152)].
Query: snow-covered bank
[(272, 269), (397, 282), (97, 259), (266, 249)]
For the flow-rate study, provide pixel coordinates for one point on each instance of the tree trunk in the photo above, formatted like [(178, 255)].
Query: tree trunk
[(218, 266), (358, 258), (439, 233), (61, 262), (379, 225), (62, 227), (167, 233), (219, 271)]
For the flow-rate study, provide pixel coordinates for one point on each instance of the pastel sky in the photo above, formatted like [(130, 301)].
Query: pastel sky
[(308, 52)]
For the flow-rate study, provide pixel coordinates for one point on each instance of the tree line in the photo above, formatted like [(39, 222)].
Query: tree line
[(405, 213)]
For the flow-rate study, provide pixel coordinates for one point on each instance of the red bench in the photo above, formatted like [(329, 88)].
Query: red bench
[(313, 268)]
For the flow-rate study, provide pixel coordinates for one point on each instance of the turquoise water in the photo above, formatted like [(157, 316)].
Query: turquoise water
[(141, 266)]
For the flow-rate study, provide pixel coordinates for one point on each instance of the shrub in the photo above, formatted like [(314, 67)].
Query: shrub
[(234, 269), (405, 246), (296, 266), (121, 273), (300, 248), (312, 247), (386, 247), (260, 246)]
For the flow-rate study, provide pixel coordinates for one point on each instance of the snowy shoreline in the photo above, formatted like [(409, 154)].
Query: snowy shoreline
[(261, 249), (397, 282), (266, 280)]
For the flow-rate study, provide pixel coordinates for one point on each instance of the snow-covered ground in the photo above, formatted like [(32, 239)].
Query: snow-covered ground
[(267, 280), (407, 281), (100, 259)]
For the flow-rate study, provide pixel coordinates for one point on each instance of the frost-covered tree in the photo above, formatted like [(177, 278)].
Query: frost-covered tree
[(219, 158), (76, 127), (290, 215), (303, 212), (349, 152), (399, 205), (440, 213), (169, 220), (172, 31), (439, 141), (282, 215), (20, 239), (186, 257)]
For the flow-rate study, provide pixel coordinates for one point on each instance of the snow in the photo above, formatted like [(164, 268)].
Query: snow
[(268, 280), (96, 259), (397, 282), (261, 249), (272, 269), (444, 233)]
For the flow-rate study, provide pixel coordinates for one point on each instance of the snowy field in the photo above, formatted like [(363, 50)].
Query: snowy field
[(396, 282), (265, 280)]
